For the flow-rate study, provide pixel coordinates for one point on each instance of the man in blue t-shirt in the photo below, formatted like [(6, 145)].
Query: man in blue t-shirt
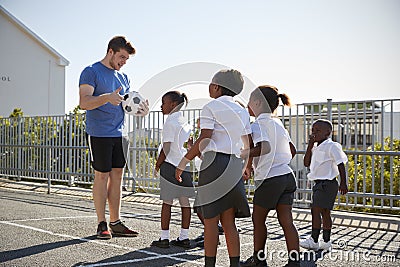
[(101, 90)]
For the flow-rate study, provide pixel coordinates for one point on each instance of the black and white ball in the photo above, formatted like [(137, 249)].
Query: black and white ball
[(131, 103)]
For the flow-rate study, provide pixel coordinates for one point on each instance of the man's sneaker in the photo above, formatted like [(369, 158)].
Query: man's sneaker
[(253, 262), (309, 244), (102, 231), (160, 243), (327, 246), (185, 243), (120, 229)]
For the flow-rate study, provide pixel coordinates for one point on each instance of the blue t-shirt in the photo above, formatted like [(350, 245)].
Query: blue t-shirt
[(106, 120)]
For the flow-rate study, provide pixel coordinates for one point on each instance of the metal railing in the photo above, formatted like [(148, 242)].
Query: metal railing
[(53, 149)]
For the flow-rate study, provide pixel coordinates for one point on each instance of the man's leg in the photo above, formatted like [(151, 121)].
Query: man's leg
[(100, 194), (114, 193)]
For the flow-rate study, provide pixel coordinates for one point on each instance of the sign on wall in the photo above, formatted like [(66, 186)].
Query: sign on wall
[(5, 78)]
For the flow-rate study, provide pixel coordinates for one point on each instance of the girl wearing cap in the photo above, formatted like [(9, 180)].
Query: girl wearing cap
[(225, 128)]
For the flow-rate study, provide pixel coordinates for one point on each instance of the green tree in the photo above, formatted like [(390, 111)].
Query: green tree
[(17, 113)]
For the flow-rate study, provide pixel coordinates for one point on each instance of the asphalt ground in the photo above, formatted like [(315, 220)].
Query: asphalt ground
[(58, 229)]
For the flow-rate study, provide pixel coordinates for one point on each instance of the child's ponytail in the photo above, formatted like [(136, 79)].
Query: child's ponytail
[(271, 95), (177, 97), (285, 99), (184, 98)]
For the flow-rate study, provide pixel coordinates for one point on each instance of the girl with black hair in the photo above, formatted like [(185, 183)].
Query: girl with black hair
[(176, 132), (273, 177)]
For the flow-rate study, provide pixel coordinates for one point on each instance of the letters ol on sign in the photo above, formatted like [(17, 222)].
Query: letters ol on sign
[(5, 78)]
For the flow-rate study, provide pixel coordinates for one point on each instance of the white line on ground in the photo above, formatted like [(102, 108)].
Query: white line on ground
[(64, 236), (51, 218), (170, 256), (135, 215), (153, 254)]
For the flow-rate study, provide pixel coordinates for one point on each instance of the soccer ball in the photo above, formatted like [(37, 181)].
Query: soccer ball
[(131, 102)]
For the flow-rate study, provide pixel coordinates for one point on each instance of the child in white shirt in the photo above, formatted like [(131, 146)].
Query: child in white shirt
[(274, 179), (176, 132), (326, 160), (221, 195)]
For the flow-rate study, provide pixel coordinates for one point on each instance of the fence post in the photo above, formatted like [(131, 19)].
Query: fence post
[(133, 170), (49, 161), (19, 143), (329, 109), (49, 168), (71, 124)]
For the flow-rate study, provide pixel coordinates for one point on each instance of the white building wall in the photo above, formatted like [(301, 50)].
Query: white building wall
[(31, 76)]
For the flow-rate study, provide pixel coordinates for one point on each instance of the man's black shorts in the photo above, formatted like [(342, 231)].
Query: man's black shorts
[(107, 152)]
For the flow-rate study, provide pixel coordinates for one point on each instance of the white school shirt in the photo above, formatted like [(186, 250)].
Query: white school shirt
[(324, 160), (276, 162), (229, 121), (176, 130)]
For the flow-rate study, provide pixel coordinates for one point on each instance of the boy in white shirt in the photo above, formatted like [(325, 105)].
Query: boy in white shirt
[(326, 160)]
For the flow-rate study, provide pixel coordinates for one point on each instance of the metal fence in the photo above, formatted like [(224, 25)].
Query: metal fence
[(53, 149)]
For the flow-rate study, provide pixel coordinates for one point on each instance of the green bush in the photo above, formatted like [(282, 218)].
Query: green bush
[(373, 172)]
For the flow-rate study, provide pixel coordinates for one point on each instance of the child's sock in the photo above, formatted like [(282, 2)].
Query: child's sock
[(184, 234), (210, 261), (315, 234), (164, 234), (326, 234), (234, 261)]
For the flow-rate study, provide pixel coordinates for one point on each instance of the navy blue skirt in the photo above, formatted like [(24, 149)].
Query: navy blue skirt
[(221, 186)]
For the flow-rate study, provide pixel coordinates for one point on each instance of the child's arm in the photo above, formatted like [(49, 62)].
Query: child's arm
[(343, 181), (189, 142), (160, 160), (307, 156), (163, 155), (190, 145), (261, 148), (292, 149), (247, 144), (200, 144)]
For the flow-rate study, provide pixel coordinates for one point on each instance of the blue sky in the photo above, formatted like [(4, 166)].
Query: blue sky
[(311, 50)]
